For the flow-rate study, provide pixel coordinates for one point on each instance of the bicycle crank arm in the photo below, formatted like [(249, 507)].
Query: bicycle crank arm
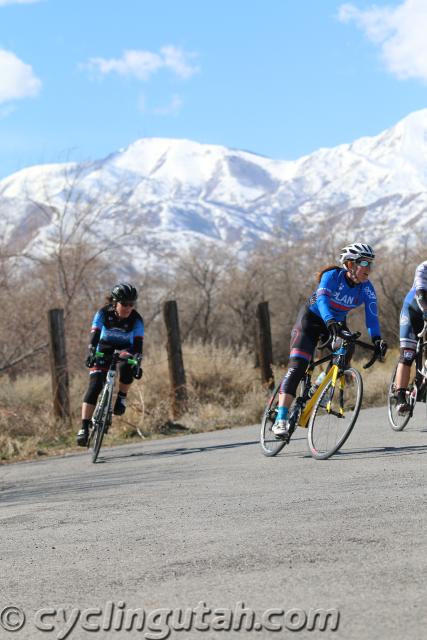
[(336, 414)]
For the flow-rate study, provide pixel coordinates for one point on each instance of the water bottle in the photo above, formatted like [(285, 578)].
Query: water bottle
[(316, 384)]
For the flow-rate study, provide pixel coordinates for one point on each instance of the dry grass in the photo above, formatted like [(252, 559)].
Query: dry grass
[(376, 380), (224, 390), (27, 425)]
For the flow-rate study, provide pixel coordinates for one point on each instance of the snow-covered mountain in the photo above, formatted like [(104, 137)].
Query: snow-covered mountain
[(160, 195)]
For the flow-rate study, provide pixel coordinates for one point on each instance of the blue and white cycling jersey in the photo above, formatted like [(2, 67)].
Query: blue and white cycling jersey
[(115, 332), (411, 315), (335, 297)]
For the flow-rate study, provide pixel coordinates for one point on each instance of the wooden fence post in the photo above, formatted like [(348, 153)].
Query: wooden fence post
[(265, 347), (58, 364), (175, 359)]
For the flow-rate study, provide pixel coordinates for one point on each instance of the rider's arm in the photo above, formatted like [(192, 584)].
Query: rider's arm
[(138, 343), (138, 337), (323, 295), (420, 286), (371, 312), (421, 298), (95, 332), (372, 322), (94, 337)]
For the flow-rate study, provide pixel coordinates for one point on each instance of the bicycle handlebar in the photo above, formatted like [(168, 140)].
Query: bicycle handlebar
[(322, 345), (348, 336), (375, 356), (353, 338), (132, 361), (423, 330)]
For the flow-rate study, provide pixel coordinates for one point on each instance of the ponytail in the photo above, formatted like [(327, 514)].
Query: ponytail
[(323, 270)]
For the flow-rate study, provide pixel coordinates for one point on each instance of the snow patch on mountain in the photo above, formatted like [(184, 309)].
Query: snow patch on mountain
[(171, 194)]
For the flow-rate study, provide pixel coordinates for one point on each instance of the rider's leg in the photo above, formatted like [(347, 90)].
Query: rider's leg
[(287, 393), (403, 373), (408, 328), (125, 380), (96, 381), (294, 375), (87, 410), (286, 400), (404, 370), (304, 337), (124, 388)]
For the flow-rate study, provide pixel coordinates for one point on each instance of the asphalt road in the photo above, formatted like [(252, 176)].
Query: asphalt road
[(207, 518)]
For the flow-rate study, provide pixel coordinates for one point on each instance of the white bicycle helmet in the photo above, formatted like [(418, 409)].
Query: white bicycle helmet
[(356, 251)]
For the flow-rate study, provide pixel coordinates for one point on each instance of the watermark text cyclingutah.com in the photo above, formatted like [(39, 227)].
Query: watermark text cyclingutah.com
[(158, 624)]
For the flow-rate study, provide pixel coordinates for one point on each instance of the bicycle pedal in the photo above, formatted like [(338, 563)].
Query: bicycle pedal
[(285, 438)]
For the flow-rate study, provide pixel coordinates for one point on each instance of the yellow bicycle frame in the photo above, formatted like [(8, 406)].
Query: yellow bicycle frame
[(331, 375)]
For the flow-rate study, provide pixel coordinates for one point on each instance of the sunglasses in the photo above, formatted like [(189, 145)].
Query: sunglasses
[(127, 304), (365, 263)]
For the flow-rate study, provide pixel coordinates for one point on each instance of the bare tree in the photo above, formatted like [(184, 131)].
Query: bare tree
[(199, 274), (82, 254)]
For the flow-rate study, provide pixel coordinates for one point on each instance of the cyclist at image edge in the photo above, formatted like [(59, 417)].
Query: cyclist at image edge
[(116, 326), (412, 318), (340, 290)]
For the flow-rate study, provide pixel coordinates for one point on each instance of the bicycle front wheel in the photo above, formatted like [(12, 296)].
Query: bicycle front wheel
[(99, 423), (335, 414), (397, 422), (270, 445)]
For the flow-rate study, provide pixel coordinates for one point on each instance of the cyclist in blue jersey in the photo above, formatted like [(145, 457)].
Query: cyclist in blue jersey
[(116, 326), (412, 319), (340, 290)]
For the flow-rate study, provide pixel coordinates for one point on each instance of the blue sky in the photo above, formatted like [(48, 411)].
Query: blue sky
[(80, 79)]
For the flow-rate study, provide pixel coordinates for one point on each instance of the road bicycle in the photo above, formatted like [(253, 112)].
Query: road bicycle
[(329, 411), (103, 414), (417, 388)]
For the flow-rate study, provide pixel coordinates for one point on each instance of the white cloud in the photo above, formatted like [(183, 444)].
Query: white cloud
[(3, 3), (143, 64), (140, 64), (172, 108), (175, 59), (17, 79), (400, 31)]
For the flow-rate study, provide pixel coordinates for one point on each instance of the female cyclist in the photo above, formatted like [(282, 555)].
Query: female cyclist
[(116, 326), (412, 319), (340, 290)]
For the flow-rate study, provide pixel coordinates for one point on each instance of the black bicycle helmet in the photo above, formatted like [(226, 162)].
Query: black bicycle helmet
[(124, 292)]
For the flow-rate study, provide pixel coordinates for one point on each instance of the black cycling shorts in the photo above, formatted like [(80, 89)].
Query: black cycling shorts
[(98, 377), (306, 333), (308, 329)]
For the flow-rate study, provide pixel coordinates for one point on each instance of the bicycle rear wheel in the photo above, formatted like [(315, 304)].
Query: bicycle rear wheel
[(270, 444), (335, 414), (397, 422), (100, 418)]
